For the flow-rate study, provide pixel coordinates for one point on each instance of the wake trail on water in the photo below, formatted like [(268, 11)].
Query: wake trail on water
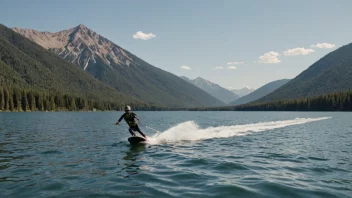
[(190, 131)]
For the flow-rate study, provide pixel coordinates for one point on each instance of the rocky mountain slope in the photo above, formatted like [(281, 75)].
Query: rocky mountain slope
[(119, 68), (25, 64)]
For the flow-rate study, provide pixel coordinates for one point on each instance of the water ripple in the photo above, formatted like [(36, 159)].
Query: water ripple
[(48, 155)]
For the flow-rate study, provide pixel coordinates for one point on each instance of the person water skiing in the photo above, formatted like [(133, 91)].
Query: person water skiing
[(130, 119)]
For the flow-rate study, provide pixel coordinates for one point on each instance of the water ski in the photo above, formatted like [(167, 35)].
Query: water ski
[(136, 140)]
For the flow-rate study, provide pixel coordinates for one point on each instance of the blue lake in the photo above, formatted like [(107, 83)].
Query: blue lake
[(195, 154)]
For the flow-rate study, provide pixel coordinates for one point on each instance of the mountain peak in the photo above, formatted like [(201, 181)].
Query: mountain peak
[(81, 27), (200, 80), (243, 91), (246, 87), (81, 46), (16, 29), (261, 92), (213, 89), (203, 80)]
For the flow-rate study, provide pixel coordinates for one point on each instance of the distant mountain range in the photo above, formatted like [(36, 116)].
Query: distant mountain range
[(261, 92), (120, 69), (332, 73), (126, 79), (242, 92), (215, 90)]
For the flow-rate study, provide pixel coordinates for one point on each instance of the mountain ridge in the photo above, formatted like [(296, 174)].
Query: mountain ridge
[(73, 42), (243, 91), (331, 73), (260, 92), (212, 88), (26, 64), (120, 69)]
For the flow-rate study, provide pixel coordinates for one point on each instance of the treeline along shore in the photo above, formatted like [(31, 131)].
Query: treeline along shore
[(341, 101), (19, 99)]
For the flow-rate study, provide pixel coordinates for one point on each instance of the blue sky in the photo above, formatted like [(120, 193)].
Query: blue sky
[(204, 34)]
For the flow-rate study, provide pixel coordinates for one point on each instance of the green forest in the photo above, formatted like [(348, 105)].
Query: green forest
[(18, 99), (341, 101)]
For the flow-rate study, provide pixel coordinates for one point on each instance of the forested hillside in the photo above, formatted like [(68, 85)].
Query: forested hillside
[(26, 65), (332, 73)]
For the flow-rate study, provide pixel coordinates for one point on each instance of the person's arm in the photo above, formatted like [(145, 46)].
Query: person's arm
[(118, 122), (135, 116)]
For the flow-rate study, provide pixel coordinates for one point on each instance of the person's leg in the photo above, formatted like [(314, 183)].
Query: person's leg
[(131, 131), (139, 131)]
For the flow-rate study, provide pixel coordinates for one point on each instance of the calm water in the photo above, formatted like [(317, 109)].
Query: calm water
[(197, 154)]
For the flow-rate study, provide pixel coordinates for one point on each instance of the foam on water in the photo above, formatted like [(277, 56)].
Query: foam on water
[(192, 132)]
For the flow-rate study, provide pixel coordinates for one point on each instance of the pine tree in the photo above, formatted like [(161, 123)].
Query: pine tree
[(31, 101), (6, 99), (73, 105), (2, 99), (52, 103), (57, 101), (47, 106), (11, 103), (349, 100), (24, 102), (40, 102), (86, 106), (15, 99)]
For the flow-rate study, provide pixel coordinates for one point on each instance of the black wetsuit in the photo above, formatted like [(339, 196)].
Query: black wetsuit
[(130, 119)]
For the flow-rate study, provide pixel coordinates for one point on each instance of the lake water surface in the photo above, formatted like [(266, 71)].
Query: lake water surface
[(196, 154)]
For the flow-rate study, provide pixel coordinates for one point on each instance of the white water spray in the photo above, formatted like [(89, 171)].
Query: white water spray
[(190, 130)]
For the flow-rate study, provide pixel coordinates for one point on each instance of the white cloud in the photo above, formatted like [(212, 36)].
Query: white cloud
[(324, 45), (185, 67), (219, 67), (231, 67), (143, 36), (269, 58), (298, 51), (235, 63)]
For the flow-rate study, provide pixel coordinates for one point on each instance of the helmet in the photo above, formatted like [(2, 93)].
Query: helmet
[(127, 108)]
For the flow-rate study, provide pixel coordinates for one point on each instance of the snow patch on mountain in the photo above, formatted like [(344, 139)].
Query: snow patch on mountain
[(243, 91)]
